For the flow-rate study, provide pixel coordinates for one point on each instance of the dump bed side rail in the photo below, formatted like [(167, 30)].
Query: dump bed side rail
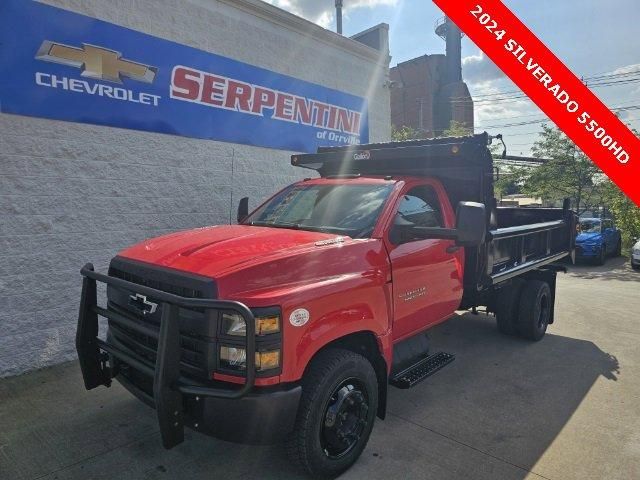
[(515, 250)]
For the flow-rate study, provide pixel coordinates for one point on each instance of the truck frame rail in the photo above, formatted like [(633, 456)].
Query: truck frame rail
[(169, 387)]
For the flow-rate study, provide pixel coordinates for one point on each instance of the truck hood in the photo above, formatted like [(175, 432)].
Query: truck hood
[(213, 251), (592, 237), (262, 263)]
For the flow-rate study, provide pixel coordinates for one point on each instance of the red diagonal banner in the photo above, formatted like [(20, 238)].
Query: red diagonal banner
[(551, 86)]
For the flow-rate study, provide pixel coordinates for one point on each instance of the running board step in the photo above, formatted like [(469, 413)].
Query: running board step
[(413, 375)]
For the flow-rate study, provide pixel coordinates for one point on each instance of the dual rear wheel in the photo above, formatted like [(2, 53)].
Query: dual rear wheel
[(524, 309)]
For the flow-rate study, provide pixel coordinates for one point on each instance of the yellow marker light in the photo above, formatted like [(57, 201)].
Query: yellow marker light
[(267, 324), (235, 358), (267, 360), (233, 324)]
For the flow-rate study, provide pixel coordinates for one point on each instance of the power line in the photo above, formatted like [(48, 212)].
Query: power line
[(546, 119), (523, 97), (599, 78)]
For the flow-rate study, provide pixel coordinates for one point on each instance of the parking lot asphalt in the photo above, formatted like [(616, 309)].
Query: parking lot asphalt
[(567, 407)]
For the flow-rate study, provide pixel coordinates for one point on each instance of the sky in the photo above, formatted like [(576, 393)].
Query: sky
[(592, 37)]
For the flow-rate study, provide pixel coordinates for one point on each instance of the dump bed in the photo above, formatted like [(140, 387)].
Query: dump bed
[(517, 240)]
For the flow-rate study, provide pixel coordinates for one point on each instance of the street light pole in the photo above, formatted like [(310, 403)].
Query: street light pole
[(339, 16)]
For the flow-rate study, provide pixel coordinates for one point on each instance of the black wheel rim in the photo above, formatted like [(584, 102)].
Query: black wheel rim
[(345, 418), (543, 316)]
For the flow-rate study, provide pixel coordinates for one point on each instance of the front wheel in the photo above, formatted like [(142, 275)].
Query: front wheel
[(336, 413), (603, 255)]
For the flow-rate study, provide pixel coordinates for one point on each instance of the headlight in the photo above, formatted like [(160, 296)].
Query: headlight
[(233, 324), (636, 251), (234, 358)]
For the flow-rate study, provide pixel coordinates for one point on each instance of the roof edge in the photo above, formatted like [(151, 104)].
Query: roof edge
[(307, 28)]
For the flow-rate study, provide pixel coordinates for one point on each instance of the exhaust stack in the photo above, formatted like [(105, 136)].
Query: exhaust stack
[(339, 16)]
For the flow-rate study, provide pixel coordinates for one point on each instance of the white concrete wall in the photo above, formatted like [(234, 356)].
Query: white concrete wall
[(72, 193)]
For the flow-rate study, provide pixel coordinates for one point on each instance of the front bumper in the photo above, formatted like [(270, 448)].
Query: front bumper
[(588, 251), (264, 416), (167, 390)]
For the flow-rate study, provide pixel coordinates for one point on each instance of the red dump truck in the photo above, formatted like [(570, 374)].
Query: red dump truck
[(290, 325)]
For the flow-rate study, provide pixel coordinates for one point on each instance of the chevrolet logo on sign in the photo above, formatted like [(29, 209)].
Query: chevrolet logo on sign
[(96, 62)]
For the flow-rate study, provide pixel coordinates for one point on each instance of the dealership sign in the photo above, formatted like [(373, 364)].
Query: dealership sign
[(61, 65)]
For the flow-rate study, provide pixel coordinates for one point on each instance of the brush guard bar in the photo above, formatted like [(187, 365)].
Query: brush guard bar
[(168, 385)]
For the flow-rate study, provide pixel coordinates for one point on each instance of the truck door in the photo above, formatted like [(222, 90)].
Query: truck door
[(426, 274), (609, 236)]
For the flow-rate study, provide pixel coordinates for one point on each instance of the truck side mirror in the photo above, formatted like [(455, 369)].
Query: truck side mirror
[(471, 224), (243, 209)]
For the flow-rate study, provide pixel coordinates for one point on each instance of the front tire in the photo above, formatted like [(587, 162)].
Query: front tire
[(535, 310), (603, 255), (336, 413)]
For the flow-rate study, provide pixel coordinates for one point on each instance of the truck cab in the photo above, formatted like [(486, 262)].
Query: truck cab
[(291, 325)]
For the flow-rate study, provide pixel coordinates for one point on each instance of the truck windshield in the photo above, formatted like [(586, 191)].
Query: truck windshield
[(343, 209), (590, 226)]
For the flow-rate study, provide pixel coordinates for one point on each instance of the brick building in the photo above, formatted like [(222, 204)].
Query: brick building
[(428, 91)]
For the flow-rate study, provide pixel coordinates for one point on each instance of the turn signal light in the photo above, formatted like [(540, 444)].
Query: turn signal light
[(233, 324), (234, 358)]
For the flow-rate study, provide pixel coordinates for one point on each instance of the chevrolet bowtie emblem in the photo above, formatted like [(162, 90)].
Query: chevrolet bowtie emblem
[(140, 303), (96, 62)]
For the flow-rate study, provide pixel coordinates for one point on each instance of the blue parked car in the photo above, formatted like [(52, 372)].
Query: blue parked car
[(597, 239)]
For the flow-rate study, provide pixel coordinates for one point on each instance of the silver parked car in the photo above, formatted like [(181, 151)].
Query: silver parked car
[(635, 255)]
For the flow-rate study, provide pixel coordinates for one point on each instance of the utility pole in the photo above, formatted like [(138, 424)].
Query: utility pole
[(339, 16), (421, 114)]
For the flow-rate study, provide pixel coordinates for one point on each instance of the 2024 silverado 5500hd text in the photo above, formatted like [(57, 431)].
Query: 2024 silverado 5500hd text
[(290, 325)]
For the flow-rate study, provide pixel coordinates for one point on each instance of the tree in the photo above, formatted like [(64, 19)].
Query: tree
[(405, 133), (568, 172), (507, 183), (625, 212), (457, 129)]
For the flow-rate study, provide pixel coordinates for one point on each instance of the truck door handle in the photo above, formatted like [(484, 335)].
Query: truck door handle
[(452, 248)]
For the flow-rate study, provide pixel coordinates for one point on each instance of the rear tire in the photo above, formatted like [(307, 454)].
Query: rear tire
[(618, 251), (535, 310), (336, 413), (507, 308)]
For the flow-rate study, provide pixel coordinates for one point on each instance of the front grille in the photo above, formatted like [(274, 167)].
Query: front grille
[(194, 350), (197, 327), (153, 283)]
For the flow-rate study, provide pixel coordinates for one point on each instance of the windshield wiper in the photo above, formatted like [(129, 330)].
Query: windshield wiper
[(300, 226), (293, 226)]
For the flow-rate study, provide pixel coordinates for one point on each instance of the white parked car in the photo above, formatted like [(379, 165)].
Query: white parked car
[(635, 255)]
